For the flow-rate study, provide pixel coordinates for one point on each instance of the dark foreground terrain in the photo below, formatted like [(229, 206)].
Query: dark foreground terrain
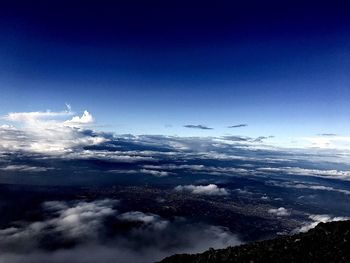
[(327, 242)]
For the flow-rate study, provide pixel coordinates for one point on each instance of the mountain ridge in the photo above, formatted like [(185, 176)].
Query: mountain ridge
[(327, 242)]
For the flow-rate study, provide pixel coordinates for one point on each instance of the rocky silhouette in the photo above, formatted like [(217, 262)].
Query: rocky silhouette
[(327, 242)]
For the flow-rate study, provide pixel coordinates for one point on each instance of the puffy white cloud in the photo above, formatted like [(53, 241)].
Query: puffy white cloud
[(281, 211), (47, 132), (210, 189), (77, 121), (81, 219), (74, 221)]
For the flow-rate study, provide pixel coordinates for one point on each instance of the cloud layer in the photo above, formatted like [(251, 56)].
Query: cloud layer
[(94, 231)]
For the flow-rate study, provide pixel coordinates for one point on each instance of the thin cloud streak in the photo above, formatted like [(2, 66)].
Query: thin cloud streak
[(199, 126), (238, 126)]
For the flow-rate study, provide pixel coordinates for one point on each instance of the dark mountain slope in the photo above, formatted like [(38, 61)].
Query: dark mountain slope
[(327, 242)]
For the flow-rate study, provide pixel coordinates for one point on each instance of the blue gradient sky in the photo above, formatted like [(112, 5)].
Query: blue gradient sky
[(150, 67)]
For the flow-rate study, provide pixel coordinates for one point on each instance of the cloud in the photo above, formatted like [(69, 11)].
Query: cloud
[(81, 219), (262, 138), (47, 132), (237, 138), (309, 186), (329, 141), (281, 211), (199, 126), (70, 223), (77, 121), (32, 117), (210, 189), (149, 219), (24, 168), (94, 231), (199, 168), (328, 134), (155, 172), (238, 125), (307, 172)]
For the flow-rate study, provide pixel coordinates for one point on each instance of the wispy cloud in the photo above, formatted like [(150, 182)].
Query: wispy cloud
[(327, 134), (238, 125), (33, 117), (307, 172), (262, 138), (239, 138), (24, 168), (199, 126), (299, 185), (329, 141)]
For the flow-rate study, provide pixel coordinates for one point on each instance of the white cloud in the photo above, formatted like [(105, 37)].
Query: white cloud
[(298, 185), (77, 221), (281, 211), (199, 168), (149, 219), (155, 172), (307, 172), (77, 121), (47, 132), (35, 116), (84, 218), (210, 189), (117, 156), (322, 188), (24, 168)]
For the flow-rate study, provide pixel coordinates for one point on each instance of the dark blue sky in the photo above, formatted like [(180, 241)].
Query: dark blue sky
[(282, 67)]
